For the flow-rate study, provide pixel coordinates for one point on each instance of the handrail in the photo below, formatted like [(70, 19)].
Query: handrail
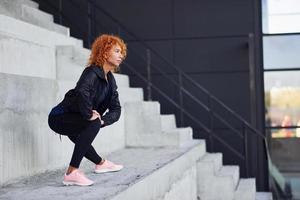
[(195, 83), (175, 67), (166, 96), (187, 113)]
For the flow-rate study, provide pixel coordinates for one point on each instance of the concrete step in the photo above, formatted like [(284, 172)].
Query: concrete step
[(246, 189), (168, 122), (18, 3), (141, 118), (127, 94), (212, 177), (263, 196), (25, 58), (28, 13), (169, 168), (231, 172), (28, 147), (31, 146), (42, 19), (122, 80), (210, 163), (151, 107), (220, 186), (78, 55), (30, 3), (35, 16), (63, 88), (67, 69), (145, 108), (31, 33), (207, 167), (175, 138), (179, 189), (185, 133)]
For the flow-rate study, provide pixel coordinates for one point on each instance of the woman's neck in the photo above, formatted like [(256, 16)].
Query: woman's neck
[(106, 68)]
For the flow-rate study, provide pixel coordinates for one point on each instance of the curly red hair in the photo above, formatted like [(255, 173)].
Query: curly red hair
[(102, 45)]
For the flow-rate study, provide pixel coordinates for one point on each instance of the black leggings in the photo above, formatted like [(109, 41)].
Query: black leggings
[(80, 131)]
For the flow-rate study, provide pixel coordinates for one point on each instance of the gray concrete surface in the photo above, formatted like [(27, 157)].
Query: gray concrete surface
[(31, 33), (27, 12), (21, 57), (246, 189), (263, 196), (186, 188), (27, 144), (169, 122), (142, 166), (214, 180)]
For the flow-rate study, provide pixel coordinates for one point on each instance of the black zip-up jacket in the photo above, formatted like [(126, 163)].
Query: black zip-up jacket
[(89, 95)]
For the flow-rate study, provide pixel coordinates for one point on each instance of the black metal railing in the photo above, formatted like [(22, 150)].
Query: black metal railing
[(246, 129)]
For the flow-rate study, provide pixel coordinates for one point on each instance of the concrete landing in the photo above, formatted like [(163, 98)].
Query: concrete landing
[(139, 163)]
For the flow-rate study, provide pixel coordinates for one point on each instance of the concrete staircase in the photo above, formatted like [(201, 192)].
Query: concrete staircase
[(39, 62)]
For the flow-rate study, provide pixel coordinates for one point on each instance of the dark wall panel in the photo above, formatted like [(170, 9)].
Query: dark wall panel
[(232, 89), (212, 55), (137, 56), (148, 19), (195, 18)]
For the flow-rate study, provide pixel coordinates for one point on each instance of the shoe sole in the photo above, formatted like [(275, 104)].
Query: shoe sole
[(107, 170), (67, 183)]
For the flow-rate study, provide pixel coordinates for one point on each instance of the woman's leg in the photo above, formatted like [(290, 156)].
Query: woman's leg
[(84, 141), (91, 154), (83, 133)]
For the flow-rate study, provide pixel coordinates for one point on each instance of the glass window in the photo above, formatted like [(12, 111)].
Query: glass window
[(282, 99), (281, 16), (281, 51)]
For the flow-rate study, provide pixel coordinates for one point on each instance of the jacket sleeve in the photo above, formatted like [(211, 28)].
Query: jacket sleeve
[(114, 110), (83, 89)]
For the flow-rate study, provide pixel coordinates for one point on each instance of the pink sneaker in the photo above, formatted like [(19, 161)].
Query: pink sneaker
[(77, 178), (107, 166)]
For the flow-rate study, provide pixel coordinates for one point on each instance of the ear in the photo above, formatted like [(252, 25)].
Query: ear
[(105, 55)]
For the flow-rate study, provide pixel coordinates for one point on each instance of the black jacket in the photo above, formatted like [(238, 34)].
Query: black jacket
[(88, 95)]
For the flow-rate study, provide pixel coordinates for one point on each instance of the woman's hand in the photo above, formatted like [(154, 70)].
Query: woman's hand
[(95, 115)]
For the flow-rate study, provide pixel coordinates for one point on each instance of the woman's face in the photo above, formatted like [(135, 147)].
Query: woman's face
[(115, 56)]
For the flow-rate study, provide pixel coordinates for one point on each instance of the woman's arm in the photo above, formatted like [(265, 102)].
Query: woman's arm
[(83, 89), (114, 110)]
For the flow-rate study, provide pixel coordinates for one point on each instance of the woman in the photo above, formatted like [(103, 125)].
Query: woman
[(80, 114)]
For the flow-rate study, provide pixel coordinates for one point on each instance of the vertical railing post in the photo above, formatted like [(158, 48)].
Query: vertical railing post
[(253, 107), (252, 77), (211, 125), (89, 19), (245, 134), (149, 82), (180, 98)]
